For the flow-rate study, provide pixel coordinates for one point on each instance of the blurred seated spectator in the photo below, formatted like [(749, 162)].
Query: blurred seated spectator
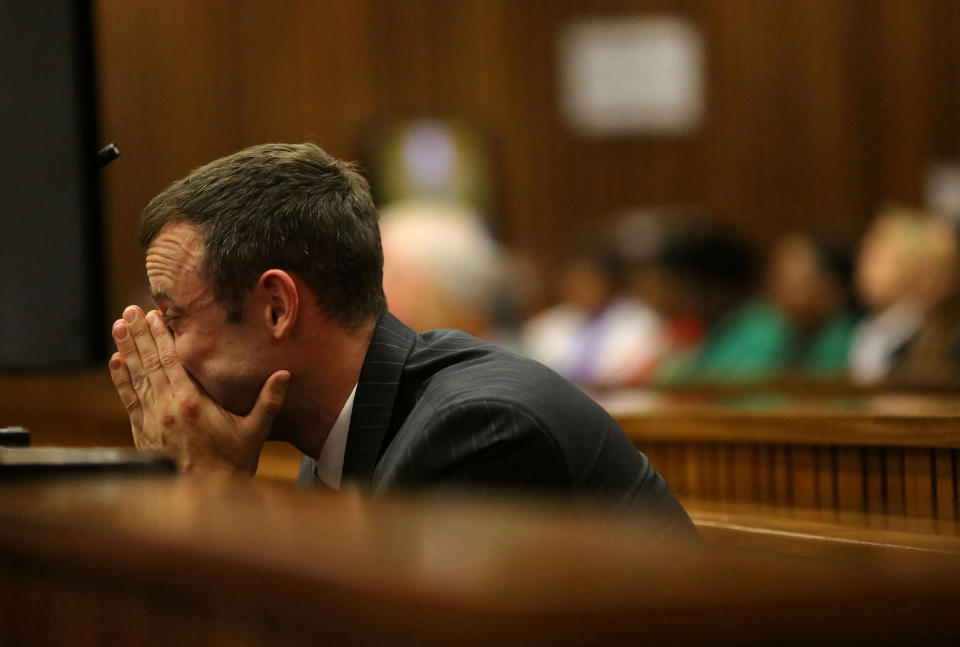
[(596, 336), (658, 273), (520, 297), (801, 324), (907, 276), (442, 268), (702, 273)]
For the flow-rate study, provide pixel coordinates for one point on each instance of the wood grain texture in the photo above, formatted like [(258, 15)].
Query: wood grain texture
[(182, 561), (849, 534), (874, 475), (817, 111), (826, 478), (695, 470), (746, 485), (850, 479), (766, 475), (945, 481), (895, 481), (889, 453), (713, 471), (918, 482), (67, 409), (782, 477), (803, 476), (674, 466), (917, 427)]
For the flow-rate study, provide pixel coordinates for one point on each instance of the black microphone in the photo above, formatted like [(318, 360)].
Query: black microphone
[(107, 154), (14, 437)]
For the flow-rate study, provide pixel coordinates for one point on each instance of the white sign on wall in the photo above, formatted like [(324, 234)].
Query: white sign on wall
[(632, 75)]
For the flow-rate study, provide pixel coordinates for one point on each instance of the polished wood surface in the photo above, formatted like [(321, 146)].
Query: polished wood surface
[(822, 533), (183, 561), (872, 451), (71, 409), (893, 454), (885, 419), (82, 408)]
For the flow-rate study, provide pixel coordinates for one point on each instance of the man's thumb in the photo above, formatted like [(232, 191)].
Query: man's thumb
[(270, 401)]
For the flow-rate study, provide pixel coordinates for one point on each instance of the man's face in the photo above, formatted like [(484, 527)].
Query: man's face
[(222, 356)]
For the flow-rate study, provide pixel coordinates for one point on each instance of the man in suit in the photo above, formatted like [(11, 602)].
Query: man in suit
[(266, 268)]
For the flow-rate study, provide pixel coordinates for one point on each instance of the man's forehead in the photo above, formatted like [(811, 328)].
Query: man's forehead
[(173, 262), (176, 237)]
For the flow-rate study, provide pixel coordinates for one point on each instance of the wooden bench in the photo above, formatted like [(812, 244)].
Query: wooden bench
[(884, 454), (179, 561), (877, 453)]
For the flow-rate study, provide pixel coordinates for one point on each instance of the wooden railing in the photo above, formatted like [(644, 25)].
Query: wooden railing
[(886, 454)]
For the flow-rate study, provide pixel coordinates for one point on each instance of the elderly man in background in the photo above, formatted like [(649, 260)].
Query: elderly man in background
[(442, 268)]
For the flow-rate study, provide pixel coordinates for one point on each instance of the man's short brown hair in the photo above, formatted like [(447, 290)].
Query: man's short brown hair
[(284, 206)]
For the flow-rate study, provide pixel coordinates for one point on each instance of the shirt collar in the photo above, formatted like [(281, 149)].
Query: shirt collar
[(328, 467)]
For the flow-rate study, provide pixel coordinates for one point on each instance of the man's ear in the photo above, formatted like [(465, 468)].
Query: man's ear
[(282, 301)]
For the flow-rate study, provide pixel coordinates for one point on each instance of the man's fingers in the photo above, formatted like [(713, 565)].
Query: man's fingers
[(167, 353), (269, 402), (130, 355), (147, 349), (128, 396)]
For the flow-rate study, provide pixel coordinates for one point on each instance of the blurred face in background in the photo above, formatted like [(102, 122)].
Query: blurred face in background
[(586, 285), (656, 287), (889, 262), (799, 284), (441, 268), (938, 281)]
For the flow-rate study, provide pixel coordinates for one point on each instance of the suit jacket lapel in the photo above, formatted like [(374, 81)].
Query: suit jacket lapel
[(376, 393)]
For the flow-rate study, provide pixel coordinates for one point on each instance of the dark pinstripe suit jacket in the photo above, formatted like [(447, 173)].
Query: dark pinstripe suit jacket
[(445, 408)]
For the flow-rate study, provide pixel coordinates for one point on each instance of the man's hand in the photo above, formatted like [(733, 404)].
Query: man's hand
[(171, 413)]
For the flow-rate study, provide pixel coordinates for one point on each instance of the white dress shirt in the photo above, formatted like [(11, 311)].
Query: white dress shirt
[(328, 467), (877, 339)]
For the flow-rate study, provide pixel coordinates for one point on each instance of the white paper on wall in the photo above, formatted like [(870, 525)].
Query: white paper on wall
[(632, 75)]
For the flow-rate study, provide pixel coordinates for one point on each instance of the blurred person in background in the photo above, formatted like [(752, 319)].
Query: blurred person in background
[(596, 336), (442, 268), (907, 276), (520, 297), (690, 270), (702, 273), (800, 325), (643, 238)]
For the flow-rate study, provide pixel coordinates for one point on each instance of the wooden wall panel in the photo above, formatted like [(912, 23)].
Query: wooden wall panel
[(803, 474), (818, 110), (826, 477), (945, 481), (895, 479), (918, 482), (886, 482), (874, 475), (168, 91)]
